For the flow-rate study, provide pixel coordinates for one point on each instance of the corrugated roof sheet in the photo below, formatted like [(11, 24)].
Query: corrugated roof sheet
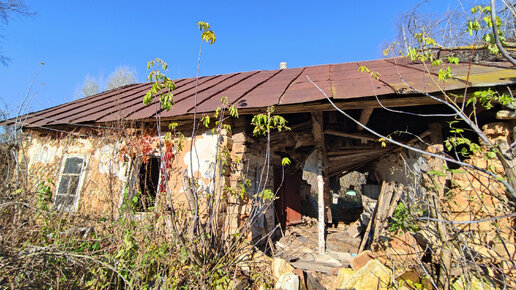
[(257, 89)]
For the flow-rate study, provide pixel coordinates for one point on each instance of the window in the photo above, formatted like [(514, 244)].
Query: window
[(148, 184), (68, 190)]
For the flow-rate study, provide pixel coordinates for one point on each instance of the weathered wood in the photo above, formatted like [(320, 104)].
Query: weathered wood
[(356, 155), (340, 161), (377, 212), (349, 150), (367, 231), (350, 135), (312, 283), (384, 202), (356, 104), (391, 207), (394, 201), (350, 164), (322, 176), (364, 117)]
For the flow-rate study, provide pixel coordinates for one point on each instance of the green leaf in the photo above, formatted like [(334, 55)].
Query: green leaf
[(172, 126), (363, 69), (147, 99), (436, 62), (207, 34), (491, 155), (445, 74), (436, 172), (96, 246), (285, 161), (452, 59), (205, 120), (233, 111)]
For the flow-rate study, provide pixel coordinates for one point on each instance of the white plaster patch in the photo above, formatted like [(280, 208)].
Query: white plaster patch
[(109, 162), (310, 171), (42, 153), (203, 158), (79, 146), (85, 144)]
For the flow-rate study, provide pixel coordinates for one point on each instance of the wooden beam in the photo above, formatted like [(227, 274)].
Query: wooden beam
[(364, 117), (347, 104), (322, 179), (350, 135), (365, 155), (352, 150)]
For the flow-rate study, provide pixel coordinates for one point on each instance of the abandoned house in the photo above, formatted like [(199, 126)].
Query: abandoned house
[(93, 148)]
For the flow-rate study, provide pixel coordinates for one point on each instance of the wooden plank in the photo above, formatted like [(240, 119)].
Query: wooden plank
[(356, 155), (393, 204), (369, 224), (312, 283), (350, 135), (396, 102), (351, 164), (357, 149), (383, 209), (352, 161), (379, 215), (364, 117)]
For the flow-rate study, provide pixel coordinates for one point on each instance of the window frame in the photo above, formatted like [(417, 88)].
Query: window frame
[(74, 207)]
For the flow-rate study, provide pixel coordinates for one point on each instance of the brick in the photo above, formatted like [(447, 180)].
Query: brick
[(361, 260)]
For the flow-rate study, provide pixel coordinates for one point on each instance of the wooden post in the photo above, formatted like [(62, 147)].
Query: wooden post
[(364, 117), (324, 212), (436, 197)]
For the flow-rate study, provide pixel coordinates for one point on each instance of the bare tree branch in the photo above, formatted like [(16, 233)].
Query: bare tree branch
[(9, 9), (497, 37)]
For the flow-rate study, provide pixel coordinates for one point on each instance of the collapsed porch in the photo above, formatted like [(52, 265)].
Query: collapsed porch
[(331, 153)]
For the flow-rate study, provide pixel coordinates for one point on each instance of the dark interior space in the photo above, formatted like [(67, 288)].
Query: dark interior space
[(149, 180)]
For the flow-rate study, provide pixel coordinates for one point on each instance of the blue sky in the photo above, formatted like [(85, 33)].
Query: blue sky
[(76, 38)]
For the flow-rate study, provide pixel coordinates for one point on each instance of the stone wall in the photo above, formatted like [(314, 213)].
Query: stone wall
[(481, 205), (100, 189), (248, 161), (475, 205), (112, 163)]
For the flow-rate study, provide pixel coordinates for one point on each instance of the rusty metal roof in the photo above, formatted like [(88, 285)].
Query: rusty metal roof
[(282, 87)]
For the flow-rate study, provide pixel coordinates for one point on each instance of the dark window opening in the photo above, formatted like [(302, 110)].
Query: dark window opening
[(67, 191), (148, 177)]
